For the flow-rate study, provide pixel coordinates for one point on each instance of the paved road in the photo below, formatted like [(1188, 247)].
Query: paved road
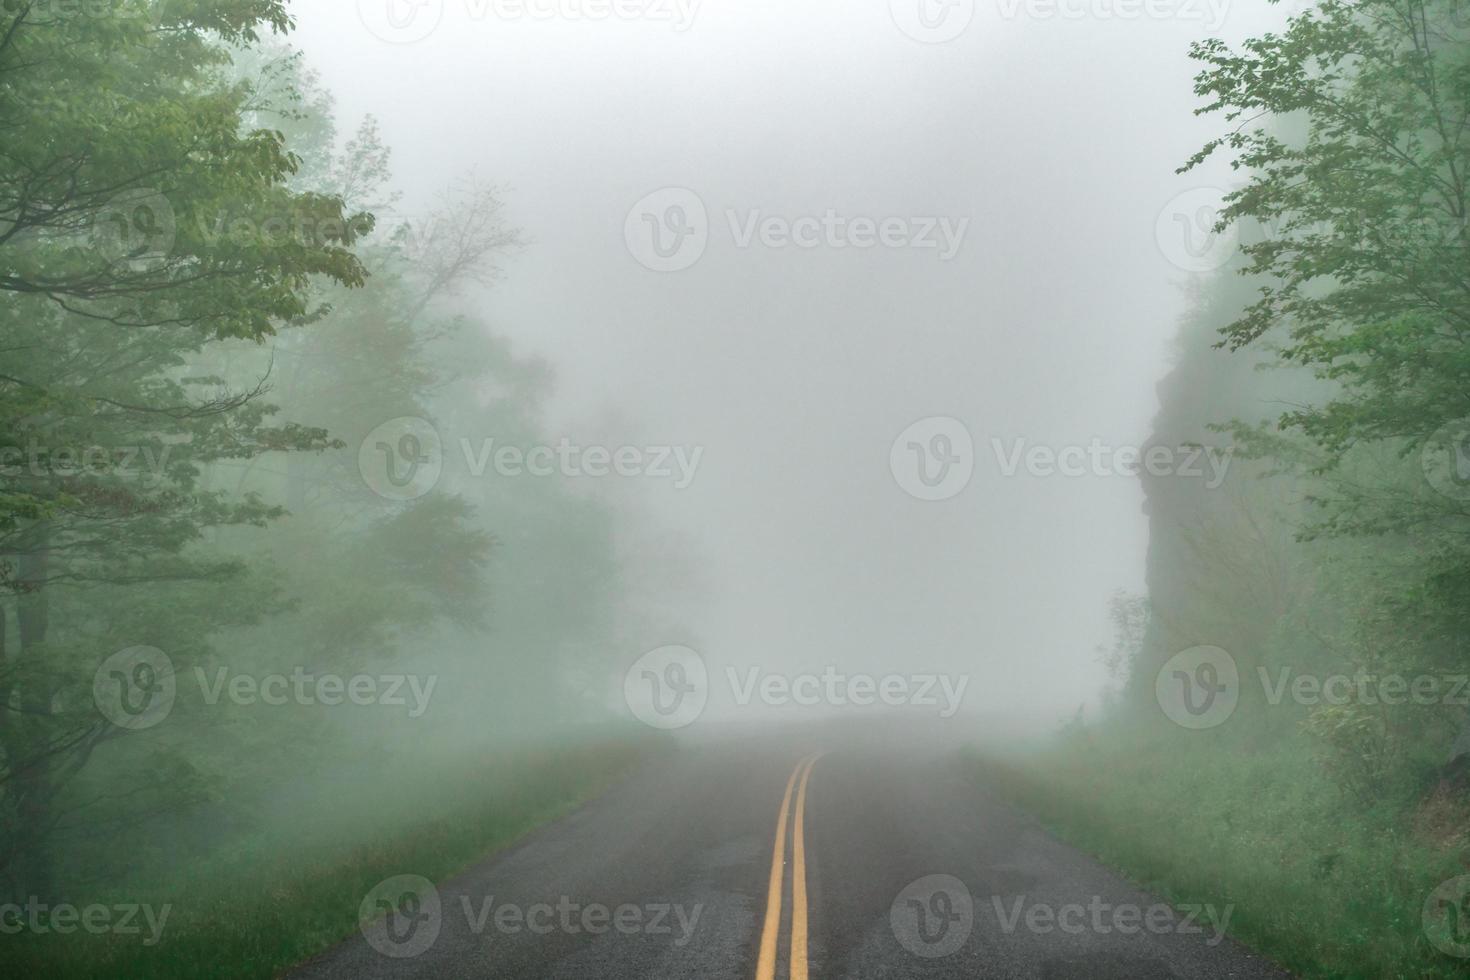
[(891, 863)]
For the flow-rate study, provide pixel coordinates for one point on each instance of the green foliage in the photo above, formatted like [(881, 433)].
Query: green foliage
[(276, 897), (1353, 130), (1328, 552), (192, 351), (125, 149), (1328, 890)]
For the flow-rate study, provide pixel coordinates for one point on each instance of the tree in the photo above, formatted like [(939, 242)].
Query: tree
[(1366, 257), (124, 149), (1352, 129)]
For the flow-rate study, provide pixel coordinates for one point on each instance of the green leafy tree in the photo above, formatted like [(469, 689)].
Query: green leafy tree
[(1365, 256), (125, 145), (1353, 128)]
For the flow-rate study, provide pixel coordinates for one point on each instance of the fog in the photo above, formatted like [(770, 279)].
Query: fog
[(795, 368), (806, 469)]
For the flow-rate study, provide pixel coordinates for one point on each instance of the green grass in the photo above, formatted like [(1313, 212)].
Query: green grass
[(273, 901), (1326, 887)]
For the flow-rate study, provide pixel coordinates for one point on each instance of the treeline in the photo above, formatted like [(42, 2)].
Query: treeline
[(1288, 731), (1332, 357), (231, 377)]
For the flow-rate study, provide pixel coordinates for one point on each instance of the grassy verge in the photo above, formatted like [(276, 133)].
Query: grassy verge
[(272, 901), (1326, 887)]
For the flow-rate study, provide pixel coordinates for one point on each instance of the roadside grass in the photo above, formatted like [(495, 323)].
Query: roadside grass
[(271, 903), (1325, 887)]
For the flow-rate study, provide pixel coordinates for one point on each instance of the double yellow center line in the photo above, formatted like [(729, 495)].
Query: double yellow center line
[(766, 965)]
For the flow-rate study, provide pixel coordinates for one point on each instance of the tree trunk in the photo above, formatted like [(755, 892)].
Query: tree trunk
[(37, 696)]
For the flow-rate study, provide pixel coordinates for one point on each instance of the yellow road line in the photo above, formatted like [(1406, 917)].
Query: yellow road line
[(766, 965), (798, 880)]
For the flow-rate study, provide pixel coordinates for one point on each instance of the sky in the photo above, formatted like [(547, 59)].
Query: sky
[(705, 190)]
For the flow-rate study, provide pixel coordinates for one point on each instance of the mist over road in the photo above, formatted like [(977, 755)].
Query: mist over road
[(891, 862)]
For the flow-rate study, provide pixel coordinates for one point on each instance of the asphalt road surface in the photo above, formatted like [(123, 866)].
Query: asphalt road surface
[(821, 853)]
